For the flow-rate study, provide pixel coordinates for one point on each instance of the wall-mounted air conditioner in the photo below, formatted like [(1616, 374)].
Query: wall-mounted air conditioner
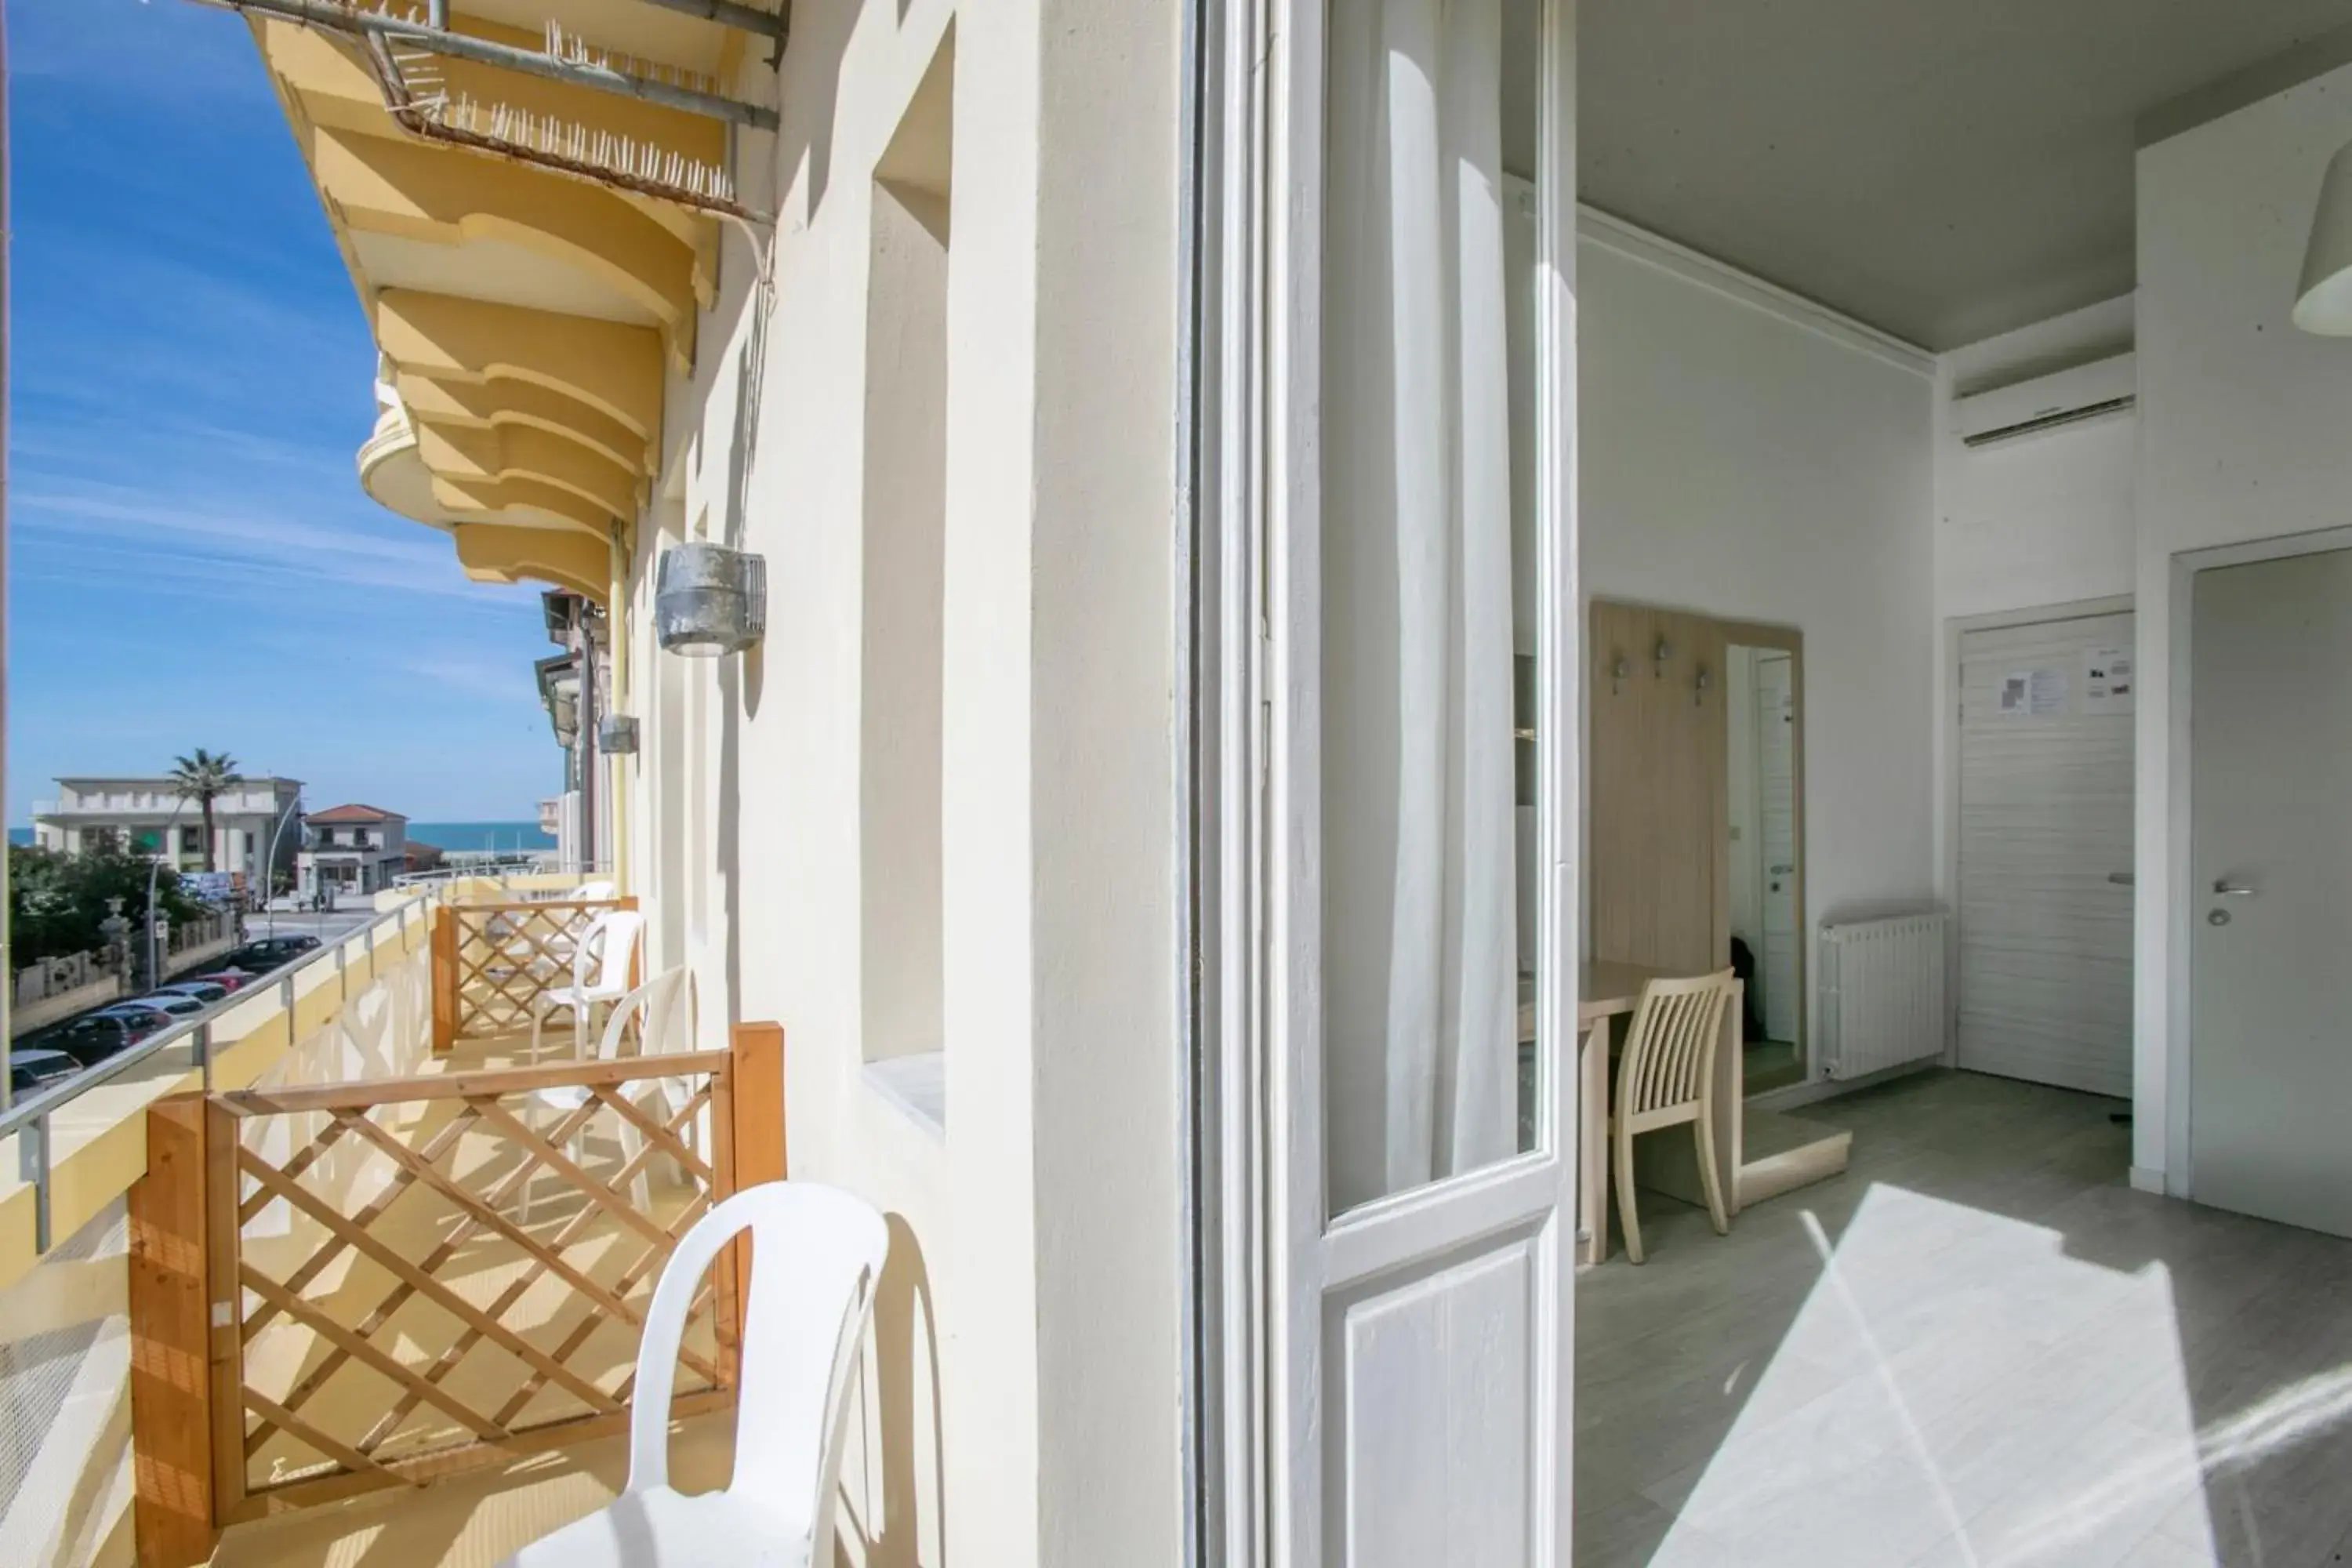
[(2045, 403)]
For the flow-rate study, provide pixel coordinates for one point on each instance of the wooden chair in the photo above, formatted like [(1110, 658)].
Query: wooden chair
[(1665, 1076)]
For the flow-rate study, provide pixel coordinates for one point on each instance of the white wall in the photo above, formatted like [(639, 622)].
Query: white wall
[(1025, 1373), (1757, 460), (2041, 520), (2246, 433), (2037, 521)]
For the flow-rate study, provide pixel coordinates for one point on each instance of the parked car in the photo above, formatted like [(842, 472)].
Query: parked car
[(177, 1005), (30, 1071), (147, 1014), (227, 979), (270, 952), (91, 1039), (204, 990)]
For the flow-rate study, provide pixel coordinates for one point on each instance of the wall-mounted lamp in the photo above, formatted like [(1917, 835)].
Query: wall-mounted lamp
[(709, 601), (617, 737), (2323, 301)]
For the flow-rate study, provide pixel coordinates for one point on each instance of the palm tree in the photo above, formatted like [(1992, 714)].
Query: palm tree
[(202, 778)]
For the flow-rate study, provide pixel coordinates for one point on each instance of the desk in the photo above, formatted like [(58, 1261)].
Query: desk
[(1606, 991)]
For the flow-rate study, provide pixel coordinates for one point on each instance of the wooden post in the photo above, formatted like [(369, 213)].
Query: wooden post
[(755, 1131), (637, 954), (445, 980), (759, 1096), (171, 1362), (225, 1314)]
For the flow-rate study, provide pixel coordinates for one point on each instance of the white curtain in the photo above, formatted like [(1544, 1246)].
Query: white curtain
[(1419, 943)]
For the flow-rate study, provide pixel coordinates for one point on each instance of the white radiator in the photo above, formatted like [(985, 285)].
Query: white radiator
[(1882, 993)]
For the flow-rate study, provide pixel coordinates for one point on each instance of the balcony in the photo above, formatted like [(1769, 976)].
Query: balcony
[(162, 803), (346, 1239)]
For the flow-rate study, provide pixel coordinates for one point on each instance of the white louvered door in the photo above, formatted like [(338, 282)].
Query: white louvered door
[(2045, 852)]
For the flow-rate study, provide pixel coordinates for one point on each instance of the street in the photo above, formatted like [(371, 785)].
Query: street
[(326, 927)]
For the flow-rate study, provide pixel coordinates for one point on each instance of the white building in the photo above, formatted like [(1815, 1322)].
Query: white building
[(149, 816), (350, 851)]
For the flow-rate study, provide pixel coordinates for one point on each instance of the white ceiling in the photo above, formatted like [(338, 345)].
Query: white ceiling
[(1944, 170)]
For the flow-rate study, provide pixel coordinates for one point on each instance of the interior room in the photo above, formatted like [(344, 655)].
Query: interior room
[(1937, 375)]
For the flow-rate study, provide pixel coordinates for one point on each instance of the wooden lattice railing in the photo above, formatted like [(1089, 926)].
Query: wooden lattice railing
[(363, 1285), (491, 962)]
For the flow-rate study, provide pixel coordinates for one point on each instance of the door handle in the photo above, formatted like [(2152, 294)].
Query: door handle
[(1782, 870), (2122, 879), (2226, 888)]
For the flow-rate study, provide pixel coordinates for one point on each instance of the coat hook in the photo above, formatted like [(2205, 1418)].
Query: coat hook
[(1665, 651), (1618, 671), (1700, 697)]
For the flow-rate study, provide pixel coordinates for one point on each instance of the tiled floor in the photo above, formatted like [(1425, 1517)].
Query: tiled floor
[(1769, 1065), (476, 1520), (1978, 1347)]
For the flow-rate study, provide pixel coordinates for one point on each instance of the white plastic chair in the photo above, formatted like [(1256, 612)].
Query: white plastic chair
[(817, 1253), (557, 948), (663, 1010), (600, 974)]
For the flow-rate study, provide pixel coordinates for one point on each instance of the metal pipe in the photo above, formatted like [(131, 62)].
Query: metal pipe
[(617, 620), (154, 948), (336, 16), (729, 14), (584, 754), (402, 105)]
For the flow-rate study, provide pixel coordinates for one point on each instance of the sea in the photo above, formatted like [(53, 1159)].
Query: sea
[(460, 835), (468, 835)]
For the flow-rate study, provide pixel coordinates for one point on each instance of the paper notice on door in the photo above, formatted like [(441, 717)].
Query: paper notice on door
[(2107, 680), (2033, 693)]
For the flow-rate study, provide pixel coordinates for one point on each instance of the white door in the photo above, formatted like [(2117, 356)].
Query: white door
[(2269, 1111), (2045, 852), (1776, 783), (1420, 1214)]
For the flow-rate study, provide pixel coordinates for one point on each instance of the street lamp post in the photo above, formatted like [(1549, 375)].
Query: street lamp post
[(269, 866), (154, 866)]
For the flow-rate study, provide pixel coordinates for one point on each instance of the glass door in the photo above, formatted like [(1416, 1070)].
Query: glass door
[(1411, 794)]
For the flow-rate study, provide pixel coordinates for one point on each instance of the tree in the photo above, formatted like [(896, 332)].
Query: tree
[(202, 778), (56, 901)]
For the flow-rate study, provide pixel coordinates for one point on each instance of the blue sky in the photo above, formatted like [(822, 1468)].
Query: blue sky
[(192, 562)]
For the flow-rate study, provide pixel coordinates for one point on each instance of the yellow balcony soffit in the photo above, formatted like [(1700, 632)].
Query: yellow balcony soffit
[(614, 369), (334, 91), (515, 406), (493, 553), (455, 452), (522, 504), (376, 185), (315, 65)]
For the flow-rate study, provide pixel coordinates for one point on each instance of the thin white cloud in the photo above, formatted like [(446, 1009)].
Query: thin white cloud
[(255, 542), (497, 679)]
